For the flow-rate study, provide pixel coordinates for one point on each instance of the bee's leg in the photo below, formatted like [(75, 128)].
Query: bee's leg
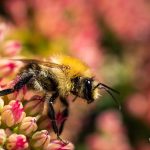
[(23, 80), (51, 113), (52, 116), (6, 92), (64, 114)]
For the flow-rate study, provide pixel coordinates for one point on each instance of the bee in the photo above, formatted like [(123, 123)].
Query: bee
[(58, 78)]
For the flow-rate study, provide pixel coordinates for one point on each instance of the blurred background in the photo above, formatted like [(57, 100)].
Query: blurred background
[(113, 38)]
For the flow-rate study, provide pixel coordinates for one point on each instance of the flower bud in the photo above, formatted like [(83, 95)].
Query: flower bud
[(12, 113), (28, 125), (19, 94), (17, 142), (41, 139), (7, 68), (34, 106), (57, 144), (2, 137)]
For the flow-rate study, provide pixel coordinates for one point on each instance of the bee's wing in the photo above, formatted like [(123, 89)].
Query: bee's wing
[(44, 63)]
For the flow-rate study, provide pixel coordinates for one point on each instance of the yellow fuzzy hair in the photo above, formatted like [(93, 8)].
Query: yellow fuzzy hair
[(75, 66)]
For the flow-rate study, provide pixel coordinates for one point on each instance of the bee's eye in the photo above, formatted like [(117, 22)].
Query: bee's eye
[(88, 83), (88, 90)]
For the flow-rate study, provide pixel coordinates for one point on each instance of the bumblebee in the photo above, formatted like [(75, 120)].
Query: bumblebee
[(58, 78)]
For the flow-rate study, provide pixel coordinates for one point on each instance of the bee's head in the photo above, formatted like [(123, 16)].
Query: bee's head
[(85, 88), (89, 89), (89, 92)]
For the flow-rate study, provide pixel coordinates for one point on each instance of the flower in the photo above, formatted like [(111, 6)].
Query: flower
[(41, 139), (112, 132), (34, 106), (21, 119), (12, 113), (134, 103), (7, 67), (28, 125), (59, 145), (12, 48), (17, 142), (131, 25), (2, 137), (17, 94)]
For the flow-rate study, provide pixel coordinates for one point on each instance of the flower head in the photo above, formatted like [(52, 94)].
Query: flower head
[(13, 113), (59, 145), (28, 125), (34, 106), (41, 139), (7, 68), (12, 48), (2, 137), (17, 142)]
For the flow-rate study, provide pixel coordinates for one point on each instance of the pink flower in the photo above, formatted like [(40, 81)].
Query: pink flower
[(110, 122), (7, 68), (20, 93), (134, 104), (12, 113), (2, 137), (130, 19), (34, 106), (40, 139), (17, 142), (18, 11), (112, 135), (58, 145), (28, 125), (12, 48)]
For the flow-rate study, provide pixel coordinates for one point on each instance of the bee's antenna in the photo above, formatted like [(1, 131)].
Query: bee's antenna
[(107, 87), (108, 90)]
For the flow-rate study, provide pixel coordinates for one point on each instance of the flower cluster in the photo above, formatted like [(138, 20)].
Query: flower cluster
[(8, 48), (73, 28), (110, 130), (132, 25), (23, 126), (83, 29), (134, 103)]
